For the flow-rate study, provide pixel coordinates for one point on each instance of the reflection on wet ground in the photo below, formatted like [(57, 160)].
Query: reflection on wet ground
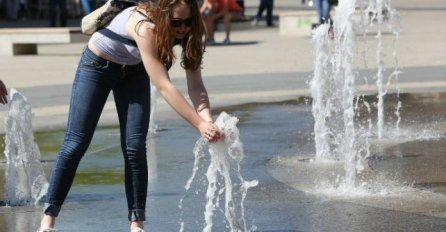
[(405, 171), (97, 201), (418, 163)]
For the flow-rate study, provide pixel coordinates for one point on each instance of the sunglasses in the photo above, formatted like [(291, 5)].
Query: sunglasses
[(178, 22)]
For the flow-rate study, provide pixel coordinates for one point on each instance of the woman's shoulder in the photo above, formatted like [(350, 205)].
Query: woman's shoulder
[(144, 30), (140, 22), (140, 14)]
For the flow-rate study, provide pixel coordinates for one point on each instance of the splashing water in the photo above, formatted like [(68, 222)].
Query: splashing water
[(380, 13), (332, 87), (150, 142), (333, 92), (25, 179), (225, 158)]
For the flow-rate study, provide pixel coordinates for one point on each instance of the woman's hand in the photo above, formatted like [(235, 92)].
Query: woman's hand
[(210, 132)]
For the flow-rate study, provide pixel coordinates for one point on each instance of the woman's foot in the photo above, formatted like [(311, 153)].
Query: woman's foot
[(137, 229), (137, 226), (46, 230), (47, 224)]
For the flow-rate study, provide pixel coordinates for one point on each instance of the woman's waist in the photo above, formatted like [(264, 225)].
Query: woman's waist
[(92, 52), (121, 59)]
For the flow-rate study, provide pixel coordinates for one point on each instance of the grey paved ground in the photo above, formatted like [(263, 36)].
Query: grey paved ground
[(263, 66)]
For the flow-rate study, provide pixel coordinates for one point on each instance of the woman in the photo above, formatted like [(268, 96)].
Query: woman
[(139, 39)]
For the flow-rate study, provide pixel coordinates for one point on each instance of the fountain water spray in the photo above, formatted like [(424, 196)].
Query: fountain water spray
[(225, 158), (25, 179), (333, 91), (150, 142), (377, 13)]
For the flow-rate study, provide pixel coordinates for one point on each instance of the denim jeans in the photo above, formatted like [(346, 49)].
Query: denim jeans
[(95, 78), (323, 8)]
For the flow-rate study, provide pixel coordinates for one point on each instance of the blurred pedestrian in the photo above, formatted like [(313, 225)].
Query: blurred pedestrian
[(10, 8), (214, 10), (268, 5), (23, 12), (323, 8), (63, 14), (88, 6), (3, 93)]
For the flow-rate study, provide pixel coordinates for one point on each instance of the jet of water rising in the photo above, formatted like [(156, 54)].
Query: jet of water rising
[(25, 179), (333, 91), (225, 158), (323, 91), (380, 12), (332, 87)]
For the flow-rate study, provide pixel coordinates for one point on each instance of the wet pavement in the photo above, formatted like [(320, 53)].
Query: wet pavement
[(403, 179), (269, 132)]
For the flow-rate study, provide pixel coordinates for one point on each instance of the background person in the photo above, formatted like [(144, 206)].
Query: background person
[(323, 8), (63, 14), (137, 44), (267, 5), (213, 10), (10, 8), (88, 6), (3, 93)]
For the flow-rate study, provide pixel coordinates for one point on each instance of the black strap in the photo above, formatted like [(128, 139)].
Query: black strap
[(142, 14), (112, 35), (122, 4)]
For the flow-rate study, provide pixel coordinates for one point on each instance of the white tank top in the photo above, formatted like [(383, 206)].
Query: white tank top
[(120, 53)]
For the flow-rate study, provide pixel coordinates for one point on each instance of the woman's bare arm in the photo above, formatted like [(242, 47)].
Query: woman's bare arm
[(145, 39), (198, 94)]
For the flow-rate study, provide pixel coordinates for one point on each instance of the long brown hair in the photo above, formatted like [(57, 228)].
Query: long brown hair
[(193, 44)]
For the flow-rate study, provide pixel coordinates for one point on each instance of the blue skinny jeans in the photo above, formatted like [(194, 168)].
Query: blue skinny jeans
[(95, 78), (323, 8)]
